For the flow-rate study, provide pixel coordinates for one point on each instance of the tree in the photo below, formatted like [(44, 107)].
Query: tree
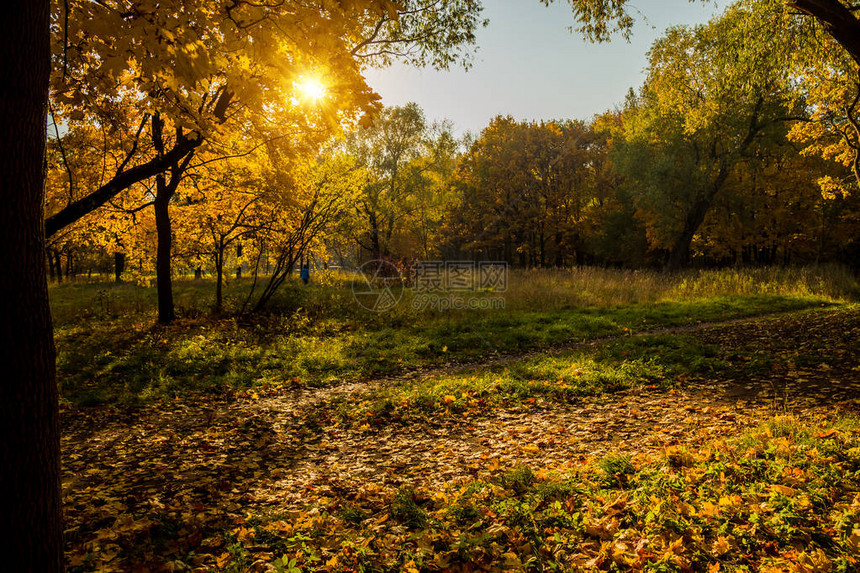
[(229, 202), (31, 532), (712, 93), (197, 64), (198, 72), (394, 151), (771, 212), (599, 19), (830, 82), (523, 193), (308, 204)]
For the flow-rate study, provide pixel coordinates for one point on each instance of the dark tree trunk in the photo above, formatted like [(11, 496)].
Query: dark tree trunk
[(219, 278), (52, 273), (118, 266), (375, 242), (198, 273), (30, 506), (163, 266), (559, 249), (164, 191), (680, 253), (238, 261), (837, 19), (58, 262)]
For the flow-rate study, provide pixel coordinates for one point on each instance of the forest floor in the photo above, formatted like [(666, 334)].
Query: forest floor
[(533, 461)]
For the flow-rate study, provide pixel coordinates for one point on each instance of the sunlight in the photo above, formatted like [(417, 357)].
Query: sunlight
[(311, 89)]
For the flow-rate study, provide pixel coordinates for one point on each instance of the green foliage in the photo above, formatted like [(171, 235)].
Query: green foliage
[(518, 480), (405, 508)]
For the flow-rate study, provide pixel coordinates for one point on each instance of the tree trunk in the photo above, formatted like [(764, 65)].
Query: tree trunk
[(239, 261), (30, 506), (118, 266), (163, 267), (164, 191), (51, 272), (58, 262), (680, 253), (842, 25), (219, 278)]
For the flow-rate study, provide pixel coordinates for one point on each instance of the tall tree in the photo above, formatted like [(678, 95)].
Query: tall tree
[(197, 72), (199, 63), (712, 92), (599, 19), (390, 149), (522, 193), (31, 533)]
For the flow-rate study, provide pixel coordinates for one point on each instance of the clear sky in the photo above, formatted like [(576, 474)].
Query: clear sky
[(529, 65)]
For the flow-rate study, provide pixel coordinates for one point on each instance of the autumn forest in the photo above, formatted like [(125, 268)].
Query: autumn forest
[(258, 318)]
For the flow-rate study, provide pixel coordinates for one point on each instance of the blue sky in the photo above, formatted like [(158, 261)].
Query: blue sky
[(529, 65)]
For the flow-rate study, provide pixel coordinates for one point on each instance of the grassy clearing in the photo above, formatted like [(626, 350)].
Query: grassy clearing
[(264, 483), (110, 351), (562, 378), (760, 352), (781, 498)]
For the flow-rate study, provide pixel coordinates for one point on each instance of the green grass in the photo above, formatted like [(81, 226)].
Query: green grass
[(110, 350), (653, 361)]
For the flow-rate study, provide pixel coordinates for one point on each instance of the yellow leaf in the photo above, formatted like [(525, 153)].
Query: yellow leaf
[(222, 560), (709, 510), (721, 546), (786, 491)]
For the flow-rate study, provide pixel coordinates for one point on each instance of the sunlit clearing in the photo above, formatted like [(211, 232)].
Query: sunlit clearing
[(311, 89)]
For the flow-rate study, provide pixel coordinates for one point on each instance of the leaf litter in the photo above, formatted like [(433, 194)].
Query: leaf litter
[(275, 476)]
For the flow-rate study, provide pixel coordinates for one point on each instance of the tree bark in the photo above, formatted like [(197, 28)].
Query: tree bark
[(30, 502), (118, 266), (52, 273), (58, 263), (164, 191), (239, 261), (680, 253), (837, 19), (219, 277), (163, 266), (119, 183)]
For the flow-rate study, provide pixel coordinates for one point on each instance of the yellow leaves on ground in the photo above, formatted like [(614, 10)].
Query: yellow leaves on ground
[(721, 546), (783, 490)]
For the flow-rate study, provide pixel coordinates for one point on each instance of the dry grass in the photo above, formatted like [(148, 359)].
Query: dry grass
[(548, 289)]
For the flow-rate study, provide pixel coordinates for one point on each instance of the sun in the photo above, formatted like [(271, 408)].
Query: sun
[(311, 89)]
